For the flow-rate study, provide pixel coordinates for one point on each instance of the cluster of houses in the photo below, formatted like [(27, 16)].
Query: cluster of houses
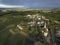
[(39, 21)]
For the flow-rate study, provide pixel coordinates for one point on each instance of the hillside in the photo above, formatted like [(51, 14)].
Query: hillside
[(10, 34)]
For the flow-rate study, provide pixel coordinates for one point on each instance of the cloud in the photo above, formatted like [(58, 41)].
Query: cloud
[(10, 6), (30, 3)]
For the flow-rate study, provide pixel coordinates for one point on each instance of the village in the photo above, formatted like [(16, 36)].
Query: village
[(39, 25)]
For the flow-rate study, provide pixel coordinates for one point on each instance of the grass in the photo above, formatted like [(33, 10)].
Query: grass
[(10, 21)]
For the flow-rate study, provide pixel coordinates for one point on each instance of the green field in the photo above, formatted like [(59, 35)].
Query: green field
[(10, 34)]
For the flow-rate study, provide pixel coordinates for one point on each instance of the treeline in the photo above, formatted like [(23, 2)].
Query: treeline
[(19, 12), (53, 14)]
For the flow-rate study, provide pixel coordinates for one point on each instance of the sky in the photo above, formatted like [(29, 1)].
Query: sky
[(30, 3)]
